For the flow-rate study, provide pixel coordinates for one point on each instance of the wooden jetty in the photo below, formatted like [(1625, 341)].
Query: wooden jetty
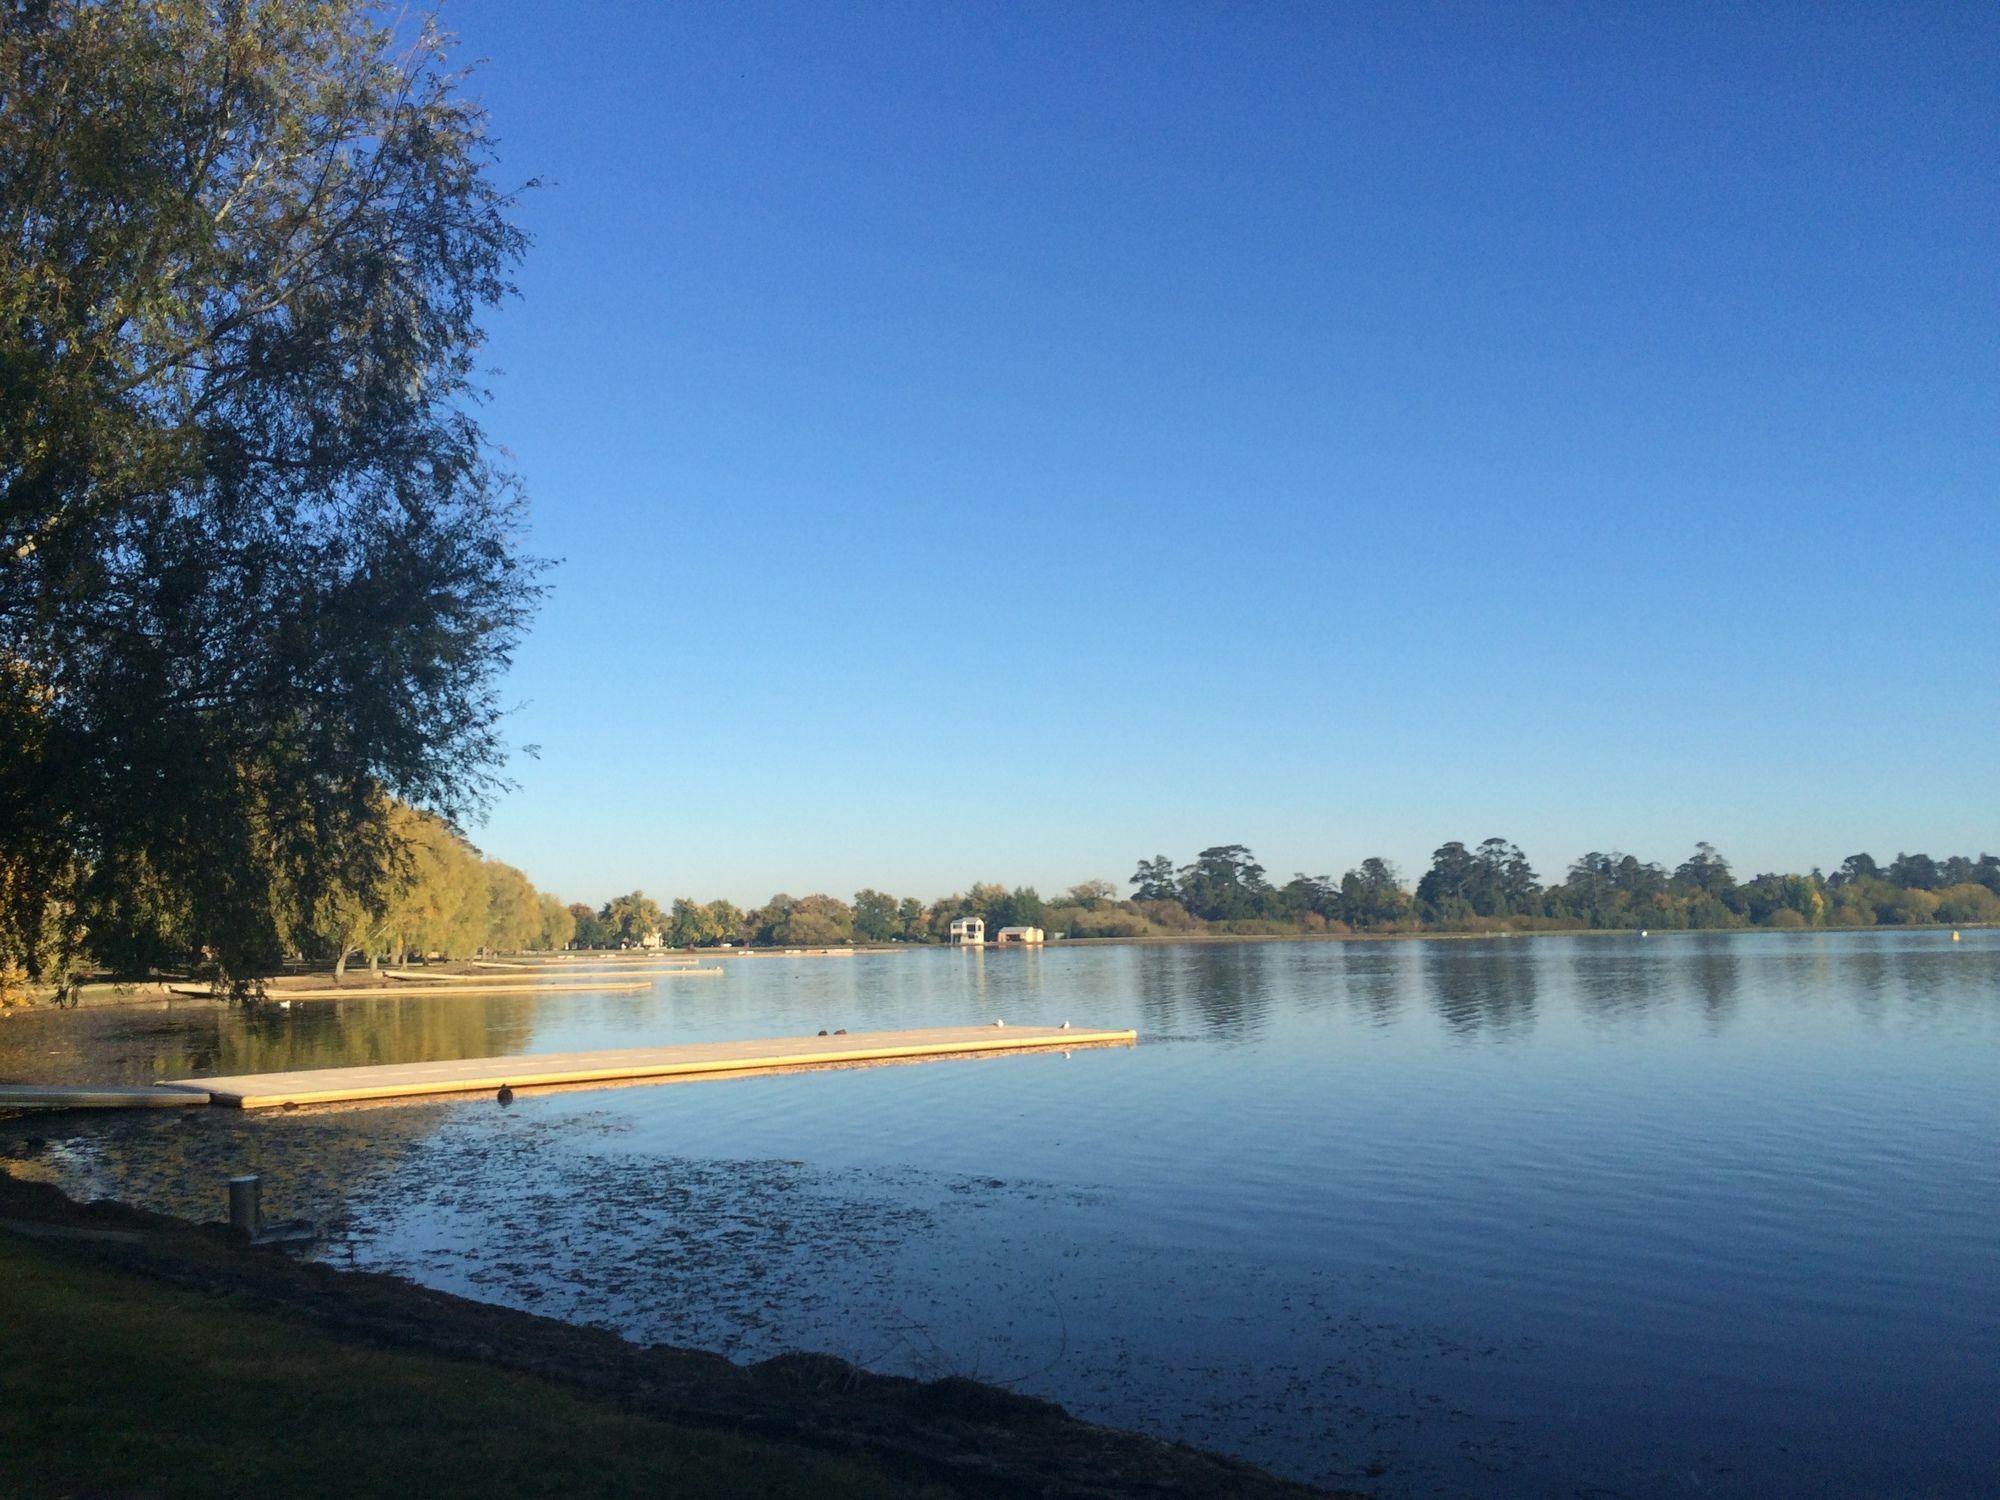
[(97, 1096), (404, 991), (413, 979), (590, 971), (545, 963), (781, 952), (490, 1074)]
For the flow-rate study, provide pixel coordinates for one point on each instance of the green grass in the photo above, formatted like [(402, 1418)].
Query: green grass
[(113, 1385)]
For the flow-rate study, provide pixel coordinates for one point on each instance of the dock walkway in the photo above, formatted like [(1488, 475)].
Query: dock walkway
[(96, 1096), (489, 1074), (364, 991)]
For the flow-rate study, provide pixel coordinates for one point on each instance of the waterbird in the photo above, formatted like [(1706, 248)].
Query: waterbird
[(840, 1031), (999, 1023), (822, 1031), (1064, 1027), (506, 1095)]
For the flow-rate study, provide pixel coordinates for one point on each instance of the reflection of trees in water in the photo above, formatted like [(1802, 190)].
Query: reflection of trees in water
[(1218, 989), (1870, 976), (1924, 975), (1229, 987), (1150, 974), (1482, 987), (1617, 978), (1373, 981), (1713, 977), (114, 1044), (355, 1033), (1931, 973), (138, 1044)]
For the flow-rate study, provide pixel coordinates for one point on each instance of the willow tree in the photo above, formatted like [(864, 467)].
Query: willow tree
[(258, 564)]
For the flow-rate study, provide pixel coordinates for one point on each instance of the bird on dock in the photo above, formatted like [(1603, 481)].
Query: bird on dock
[(822, 1031), (1063, 1027), (999, 1023), (506, 1095), (840, 1031)]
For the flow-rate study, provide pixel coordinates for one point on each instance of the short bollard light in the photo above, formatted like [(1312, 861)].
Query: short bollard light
[(246, 1214)]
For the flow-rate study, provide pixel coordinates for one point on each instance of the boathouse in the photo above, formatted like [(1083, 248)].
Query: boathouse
[(1019, 935), (968, 932)]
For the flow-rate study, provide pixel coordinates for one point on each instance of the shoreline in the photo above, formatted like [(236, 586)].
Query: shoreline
[(955, 1434), (180, 990)]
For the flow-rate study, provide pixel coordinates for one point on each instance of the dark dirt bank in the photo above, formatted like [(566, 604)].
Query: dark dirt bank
[(977, 1440)]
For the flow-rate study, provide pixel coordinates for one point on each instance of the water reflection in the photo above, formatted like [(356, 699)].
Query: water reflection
[(144, 1043), (1618, 978), (1373, 980), (1713, 978), (1221, 989), (1482, 988), (1927, 977)]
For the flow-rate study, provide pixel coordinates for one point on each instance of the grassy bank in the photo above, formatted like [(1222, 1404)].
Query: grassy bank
[(112, 1384)]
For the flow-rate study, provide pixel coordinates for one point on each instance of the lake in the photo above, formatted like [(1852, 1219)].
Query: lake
[(1691, 1214)]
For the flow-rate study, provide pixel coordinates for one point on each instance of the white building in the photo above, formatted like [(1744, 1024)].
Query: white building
[(1020, 935), (968, 932)]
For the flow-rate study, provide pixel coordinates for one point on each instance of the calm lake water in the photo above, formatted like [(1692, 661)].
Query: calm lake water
[(1608, 1216)]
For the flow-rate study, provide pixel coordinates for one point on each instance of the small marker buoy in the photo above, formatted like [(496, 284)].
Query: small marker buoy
[(506, 1095), (1954, 936)]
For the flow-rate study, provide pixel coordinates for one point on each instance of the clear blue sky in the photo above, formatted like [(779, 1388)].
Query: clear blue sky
[(1005, 441)]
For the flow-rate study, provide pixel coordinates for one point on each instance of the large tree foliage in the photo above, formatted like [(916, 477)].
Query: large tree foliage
[(257, 564), (436, 895)]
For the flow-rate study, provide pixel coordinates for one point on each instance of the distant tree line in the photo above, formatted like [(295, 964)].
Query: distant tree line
[(1485, 887), (1492, 885), (815, 921), (434, 895)]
